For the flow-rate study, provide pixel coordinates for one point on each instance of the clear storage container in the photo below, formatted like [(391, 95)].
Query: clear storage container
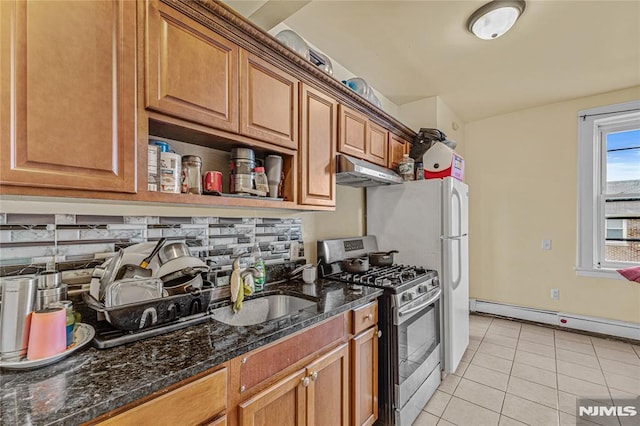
[(405, 168)]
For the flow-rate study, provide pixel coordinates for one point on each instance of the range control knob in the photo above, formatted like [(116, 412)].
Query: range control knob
[(423, 288), (408, 296)]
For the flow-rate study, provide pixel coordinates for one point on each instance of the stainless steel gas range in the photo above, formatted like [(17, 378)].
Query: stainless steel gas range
[(409, 358)]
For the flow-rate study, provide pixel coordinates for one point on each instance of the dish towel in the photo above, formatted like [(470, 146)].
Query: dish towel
[(245, 289), (632, 274)]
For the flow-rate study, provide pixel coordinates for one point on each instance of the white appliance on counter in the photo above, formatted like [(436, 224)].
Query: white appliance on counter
[(427, 222)]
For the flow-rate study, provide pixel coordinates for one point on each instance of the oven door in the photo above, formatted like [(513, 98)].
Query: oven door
[(418, 335)]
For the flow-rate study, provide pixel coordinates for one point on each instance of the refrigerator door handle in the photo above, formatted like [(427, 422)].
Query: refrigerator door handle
[(459, 280), (459, 237)]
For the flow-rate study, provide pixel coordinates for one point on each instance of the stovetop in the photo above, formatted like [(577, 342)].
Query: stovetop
[(395, 278)]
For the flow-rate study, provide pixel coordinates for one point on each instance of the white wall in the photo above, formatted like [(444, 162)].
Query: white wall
[(522, 173)]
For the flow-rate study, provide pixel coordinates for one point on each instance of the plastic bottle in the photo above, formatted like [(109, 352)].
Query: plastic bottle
[(262, 183), (258, 263)]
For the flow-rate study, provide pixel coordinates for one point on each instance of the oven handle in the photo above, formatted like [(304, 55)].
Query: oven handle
[(422, 305)]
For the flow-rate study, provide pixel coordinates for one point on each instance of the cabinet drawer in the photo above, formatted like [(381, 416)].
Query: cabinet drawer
[(364, 317), (193, 403)]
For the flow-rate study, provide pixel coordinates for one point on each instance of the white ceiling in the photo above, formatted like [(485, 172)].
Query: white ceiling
[(409, 50)]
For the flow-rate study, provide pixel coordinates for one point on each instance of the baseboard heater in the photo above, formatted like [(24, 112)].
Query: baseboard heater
[(627, 330)]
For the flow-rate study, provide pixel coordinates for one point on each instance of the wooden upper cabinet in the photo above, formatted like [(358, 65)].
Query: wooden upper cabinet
[(316, 153), (269, 102), (377, 144), (191, 72), (352, 138), (397, 148), (68, 94), (361, 138)]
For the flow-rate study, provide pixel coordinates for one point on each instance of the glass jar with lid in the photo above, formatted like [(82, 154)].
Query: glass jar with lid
[(405, 168), (191, 174)]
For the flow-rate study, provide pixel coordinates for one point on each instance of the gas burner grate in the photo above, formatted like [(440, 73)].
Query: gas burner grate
[(383, 276)]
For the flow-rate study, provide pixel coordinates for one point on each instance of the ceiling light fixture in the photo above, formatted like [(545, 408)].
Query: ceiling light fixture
[(495, 18)]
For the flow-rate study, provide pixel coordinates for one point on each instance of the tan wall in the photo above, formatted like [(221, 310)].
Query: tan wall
[(522, 174), (347, 220)]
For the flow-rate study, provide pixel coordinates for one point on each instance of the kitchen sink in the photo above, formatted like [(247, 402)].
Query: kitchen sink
[(261, 309)]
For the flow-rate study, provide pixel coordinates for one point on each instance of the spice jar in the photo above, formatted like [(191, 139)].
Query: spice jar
[(405, 168), (191, 171), (419, 171)]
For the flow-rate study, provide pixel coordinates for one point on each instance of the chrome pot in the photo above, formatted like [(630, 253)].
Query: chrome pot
[(356, 264), (381, 258)]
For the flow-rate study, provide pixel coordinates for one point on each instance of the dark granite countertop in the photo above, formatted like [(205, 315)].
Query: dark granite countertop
[(91, 382)]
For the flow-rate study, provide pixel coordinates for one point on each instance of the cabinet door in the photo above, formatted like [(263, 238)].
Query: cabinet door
[(377, 144), (397, 147), (68, 94), (328, 390), (269, 102), (318, 132), (191, 403), (191, 72), (282, 404), (352, 137), (364, 377)]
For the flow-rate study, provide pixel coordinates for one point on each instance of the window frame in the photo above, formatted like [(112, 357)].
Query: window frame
[(591, 161)]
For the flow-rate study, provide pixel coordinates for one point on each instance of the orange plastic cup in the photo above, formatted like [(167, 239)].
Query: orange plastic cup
[(47, 334)]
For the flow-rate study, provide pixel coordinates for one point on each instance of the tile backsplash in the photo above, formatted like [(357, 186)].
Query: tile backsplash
[(41, 239)]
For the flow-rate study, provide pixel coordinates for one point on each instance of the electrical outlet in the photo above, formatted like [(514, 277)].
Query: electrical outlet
[(546, 244), (555, 294)]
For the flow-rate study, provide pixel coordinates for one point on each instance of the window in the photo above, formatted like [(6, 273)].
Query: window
[(608, 189)]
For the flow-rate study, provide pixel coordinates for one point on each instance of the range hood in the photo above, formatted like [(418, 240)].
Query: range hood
[(359, 173)]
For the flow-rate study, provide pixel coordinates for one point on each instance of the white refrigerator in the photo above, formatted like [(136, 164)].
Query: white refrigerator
[(427, 222)]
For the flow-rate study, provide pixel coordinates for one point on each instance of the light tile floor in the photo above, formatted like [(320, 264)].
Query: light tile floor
[(515, 373)]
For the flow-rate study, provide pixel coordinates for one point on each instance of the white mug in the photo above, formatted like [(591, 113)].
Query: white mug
[(309, 275)]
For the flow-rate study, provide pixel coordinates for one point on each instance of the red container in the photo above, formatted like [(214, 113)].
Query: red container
[(213, 182)]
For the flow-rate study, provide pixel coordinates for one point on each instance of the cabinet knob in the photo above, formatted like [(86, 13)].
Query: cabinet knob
[(305, 381), (314, 376), (370, 317)]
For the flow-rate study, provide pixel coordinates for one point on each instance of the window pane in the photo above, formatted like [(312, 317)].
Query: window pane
[(622, 221), (623, 162)]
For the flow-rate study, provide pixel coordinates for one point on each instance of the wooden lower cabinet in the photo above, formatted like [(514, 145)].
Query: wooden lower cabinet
[(222, 421), (328, 389), (317, 395), (191, 402), (281, 404), (364, 377)]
